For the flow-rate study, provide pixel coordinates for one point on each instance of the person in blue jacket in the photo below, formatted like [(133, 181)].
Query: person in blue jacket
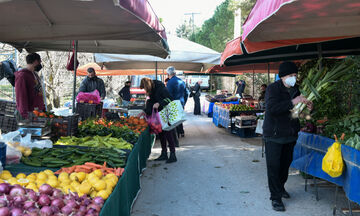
[(178, 91)]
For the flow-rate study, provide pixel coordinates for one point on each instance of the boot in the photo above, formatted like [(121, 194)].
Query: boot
[(162, 157), (172, 158)]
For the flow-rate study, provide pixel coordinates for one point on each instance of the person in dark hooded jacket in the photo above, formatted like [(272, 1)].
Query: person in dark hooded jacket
[(92, 82)]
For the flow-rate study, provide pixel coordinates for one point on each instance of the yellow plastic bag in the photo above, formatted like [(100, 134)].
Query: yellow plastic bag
[(333, 163)]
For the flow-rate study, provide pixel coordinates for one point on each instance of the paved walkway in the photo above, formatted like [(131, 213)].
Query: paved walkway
[(219, 174)]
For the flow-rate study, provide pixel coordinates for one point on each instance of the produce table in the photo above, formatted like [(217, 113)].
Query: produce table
[(309, 151), (121, 199), (208, 107)]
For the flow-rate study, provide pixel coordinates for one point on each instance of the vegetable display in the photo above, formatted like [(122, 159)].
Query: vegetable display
[(95, 141), (91, 167), (70, 156), (116, 129)]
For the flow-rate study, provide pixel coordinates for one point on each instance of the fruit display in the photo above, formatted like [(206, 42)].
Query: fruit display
[(17, 200), (91, 167), (45, 114), (70, 156), (237, 107), (119, 129), (96, 141), (354, 142)]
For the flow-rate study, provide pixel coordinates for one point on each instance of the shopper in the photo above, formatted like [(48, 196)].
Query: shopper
[(28, 88), (177, 90), (157, 93), (262, 96), (125, 94), (280, 131), (92, 82), (196, 93), (240, 87)]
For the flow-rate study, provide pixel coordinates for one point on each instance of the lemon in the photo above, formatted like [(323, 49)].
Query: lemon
[(31, 178), (80, 194), (81, 176), (27, 152), (99, 185), (1, 181), (5, 175), (48, 172), (85, 188), (66, 181), (31, 185), (21, 148), (42, 176), (21, 176), (6, 171), (63, 176), (40, 182), (52, 177), (73, 177), (12, 181), (103, 193), (66, 189), (23, 182), (110, 175), (110, 183), (98, 173), (93, 194), (52, 182), (75, 184)]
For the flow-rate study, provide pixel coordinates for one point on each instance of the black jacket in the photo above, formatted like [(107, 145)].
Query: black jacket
[(90, 84), (278, 122), (125, 93), (197, 90), (159, 94)]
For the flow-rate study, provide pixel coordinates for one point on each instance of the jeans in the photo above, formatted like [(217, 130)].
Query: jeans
[(278, 160), (197, 110)]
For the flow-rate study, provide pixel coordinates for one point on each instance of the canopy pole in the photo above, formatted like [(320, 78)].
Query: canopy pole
[(253, 81), (75, 67), (163, 76), (268, 65), (156, 70)]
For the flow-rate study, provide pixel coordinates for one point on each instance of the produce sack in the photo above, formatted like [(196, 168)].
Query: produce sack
[(89, 97), (332, 162), (172, 115), (154, 122)]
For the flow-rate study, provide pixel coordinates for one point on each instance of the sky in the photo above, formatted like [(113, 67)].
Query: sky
[(173, 11)]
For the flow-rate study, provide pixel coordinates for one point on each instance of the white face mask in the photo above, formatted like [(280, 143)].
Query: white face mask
[(290, 81)]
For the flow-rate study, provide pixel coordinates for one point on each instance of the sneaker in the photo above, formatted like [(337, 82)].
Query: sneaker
[(162, 157), (285, 195), (172, 158), (278, 205)]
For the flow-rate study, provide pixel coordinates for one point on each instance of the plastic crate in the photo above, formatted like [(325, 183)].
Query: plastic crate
[(3, 154), (86, 110), (8, 124), (66, 126), (7, 108), (245, 132)]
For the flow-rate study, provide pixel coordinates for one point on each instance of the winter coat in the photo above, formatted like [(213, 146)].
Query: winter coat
[(159, 94), (90, 84), (177, 89), (278, 122), (125, 93)]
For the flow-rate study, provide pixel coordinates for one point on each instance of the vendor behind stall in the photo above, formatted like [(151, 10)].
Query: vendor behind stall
[(125, 93), (92, 82), (28, 88)]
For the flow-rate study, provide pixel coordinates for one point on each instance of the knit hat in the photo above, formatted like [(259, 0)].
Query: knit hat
[(287, 68), (90, 70)]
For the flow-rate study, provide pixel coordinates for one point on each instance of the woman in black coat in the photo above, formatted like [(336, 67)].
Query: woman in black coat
[(158, 99)]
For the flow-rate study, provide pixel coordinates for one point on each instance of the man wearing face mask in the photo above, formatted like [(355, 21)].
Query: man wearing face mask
[(280, 130), (29, 94), (92, 82)]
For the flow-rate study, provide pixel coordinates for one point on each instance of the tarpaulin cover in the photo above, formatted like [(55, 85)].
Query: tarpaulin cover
[(102, 71), (309, 151), (272, 67)]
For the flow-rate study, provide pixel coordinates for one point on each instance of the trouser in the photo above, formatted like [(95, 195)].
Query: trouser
[(197, 105), (169, 137), (278, 160), (175, 137), (180, 129)]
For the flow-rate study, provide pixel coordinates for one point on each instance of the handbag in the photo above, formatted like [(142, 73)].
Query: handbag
[(70, 63), (172, 115)]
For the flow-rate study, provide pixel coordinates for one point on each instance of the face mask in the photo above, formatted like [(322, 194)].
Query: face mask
[(290, 81), (38, 67)]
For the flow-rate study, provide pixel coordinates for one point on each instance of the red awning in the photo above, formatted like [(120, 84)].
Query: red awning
[(278, 23), (232, 48), (241, 69), (102, 71)]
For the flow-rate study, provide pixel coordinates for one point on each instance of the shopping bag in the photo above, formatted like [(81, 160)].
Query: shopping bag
[(89, 97), (332, 162), (154, 122), (172, 115), (259, 126)]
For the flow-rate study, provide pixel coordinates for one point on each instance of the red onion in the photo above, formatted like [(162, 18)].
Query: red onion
[(16, 212), (32, 214), (86, 202), (33, 210), (46, 189), (46, 211), (82, 209), (15, 191), (57, 194), (29, 204), (98, 201), (95, 207), (55, 209), (71, 204), (58, 203), (4, 188), (19, 201), (66, 210), (3, 203), (44, 200), (4, 211), (32, 195), (91, 212)]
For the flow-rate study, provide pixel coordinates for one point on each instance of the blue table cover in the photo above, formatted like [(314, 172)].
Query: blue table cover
[(309, 152), (211, 107)]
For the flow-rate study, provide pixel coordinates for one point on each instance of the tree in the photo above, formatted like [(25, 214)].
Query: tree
[(184, 30)]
